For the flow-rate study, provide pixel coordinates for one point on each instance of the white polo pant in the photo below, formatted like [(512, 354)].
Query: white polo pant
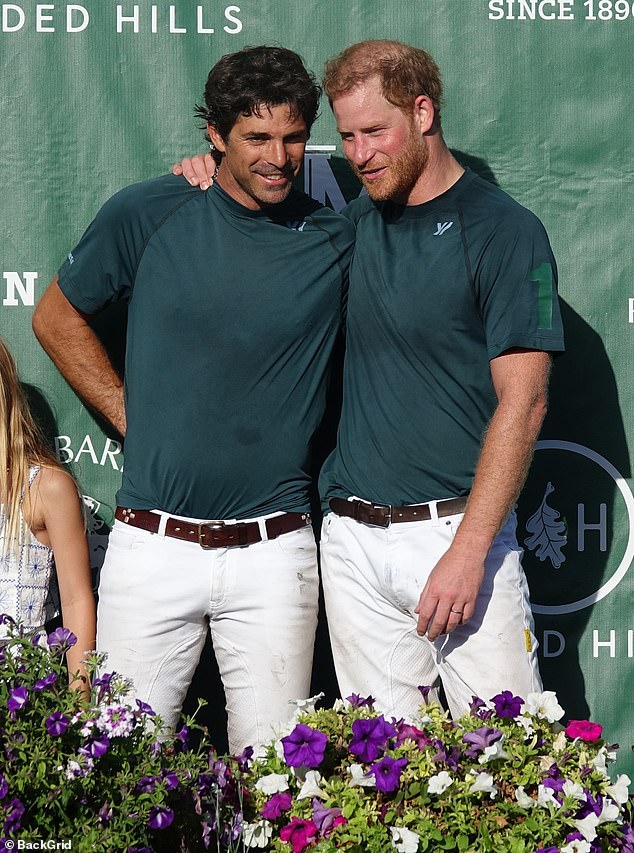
[(159, 596), (373, 578)]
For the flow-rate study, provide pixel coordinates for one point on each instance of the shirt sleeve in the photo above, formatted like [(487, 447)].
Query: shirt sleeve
[(515, 281), (101, 269)]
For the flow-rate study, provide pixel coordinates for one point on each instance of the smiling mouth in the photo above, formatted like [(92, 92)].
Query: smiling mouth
[(276, 178), (372, 174)]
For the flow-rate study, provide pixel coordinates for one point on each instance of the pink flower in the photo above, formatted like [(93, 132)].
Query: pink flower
[(584, 729), (298, 833)]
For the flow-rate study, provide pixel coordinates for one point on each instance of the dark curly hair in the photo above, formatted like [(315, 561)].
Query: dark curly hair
[(242, 83)]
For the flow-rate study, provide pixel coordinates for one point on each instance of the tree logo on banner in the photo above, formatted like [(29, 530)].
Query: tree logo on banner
[(576, 522), (547, 532)]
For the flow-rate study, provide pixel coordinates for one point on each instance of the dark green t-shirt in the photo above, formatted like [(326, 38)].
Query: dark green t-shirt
[(233, 315), (436, 291)]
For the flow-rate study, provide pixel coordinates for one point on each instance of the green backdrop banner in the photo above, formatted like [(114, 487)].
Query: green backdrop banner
[(539, 99)]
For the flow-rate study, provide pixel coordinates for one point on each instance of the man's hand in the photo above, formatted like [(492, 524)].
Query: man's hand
[(449, 596), (520, 379), (198, 170)]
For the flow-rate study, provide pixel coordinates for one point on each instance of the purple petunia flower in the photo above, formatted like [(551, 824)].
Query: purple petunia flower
[(627, 838), (556, 785), (304, 747), (4, 787), (146, 709), (507, 705), (548, 850), (105, 813), (274, 807), (480, 739), (170, 779), (244, 758), (387, 773), (56, 724), (17, 699), (369, 738), (145, 785), (182, 737), (44, 683), (96, 747), (425, 690), (357, 701), (61, 640), (13, 816), (592, 805), (102, 685), (326, 819), (160, 818), (450, 757), (219, 771), (479, 709)]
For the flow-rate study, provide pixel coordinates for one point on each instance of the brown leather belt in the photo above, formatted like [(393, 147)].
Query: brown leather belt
[(382, 515), (214, 534)]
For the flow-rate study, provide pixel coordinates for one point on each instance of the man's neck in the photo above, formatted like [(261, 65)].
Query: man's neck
[(441, 172)]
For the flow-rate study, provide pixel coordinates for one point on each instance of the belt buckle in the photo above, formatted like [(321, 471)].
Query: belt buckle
[(385, 522), (214, 525)]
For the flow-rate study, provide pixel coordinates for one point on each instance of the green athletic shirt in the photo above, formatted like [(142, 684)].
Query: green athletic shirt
[(232, 318), (436, 291)]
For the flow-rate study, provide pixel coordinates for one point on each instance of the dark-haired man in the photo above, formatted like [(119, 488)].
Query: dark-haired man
[(234, 307)]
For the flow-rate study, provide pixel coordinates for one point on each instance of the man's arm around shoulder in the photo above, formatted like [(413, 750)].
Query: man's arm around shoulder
[(65, 334)]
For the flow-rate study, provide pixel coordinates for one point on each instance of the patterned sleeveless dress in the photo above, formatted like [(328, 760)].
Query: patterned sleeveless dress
[(24, 576)]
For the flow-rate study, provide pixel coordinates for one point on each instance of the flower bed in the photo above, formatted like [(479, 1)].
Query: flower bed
[(504, 778), (93, 772)]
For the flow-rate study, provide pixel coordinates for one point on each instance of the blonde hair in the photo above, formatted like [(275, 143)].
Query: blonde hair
[(405, 72), (22, 444)]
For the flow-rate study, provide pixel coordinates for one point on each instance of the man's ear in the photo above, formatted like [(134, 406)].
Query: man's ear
[(216, 139), (424, 113)]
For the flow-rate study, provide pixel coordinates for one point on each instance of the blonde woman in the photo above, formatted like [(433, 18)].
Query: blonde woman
[(41, 520)]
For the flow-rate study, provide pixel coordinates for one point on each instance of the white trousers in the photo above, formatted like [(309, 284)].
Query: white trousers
[(373, 578), (159, 596)]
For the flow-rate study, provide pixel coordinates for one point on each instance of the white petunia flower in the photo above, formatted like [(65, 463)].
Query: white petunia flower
[(483, 783), (439, 783), (339, 705), (257, 834), (546, 797), (311, 788), (523, 799), (619, 790), (404, 840), (526, 724), (609, 812), (573, 789), (493, 752), (543, 705), (359, 778), (273, 783), (305, 706), (602, 759), (576, 846), (588, 826)]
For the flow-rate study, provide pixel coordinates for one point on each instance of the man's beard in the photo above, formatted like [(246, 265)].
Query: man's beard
[(403, 172)]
